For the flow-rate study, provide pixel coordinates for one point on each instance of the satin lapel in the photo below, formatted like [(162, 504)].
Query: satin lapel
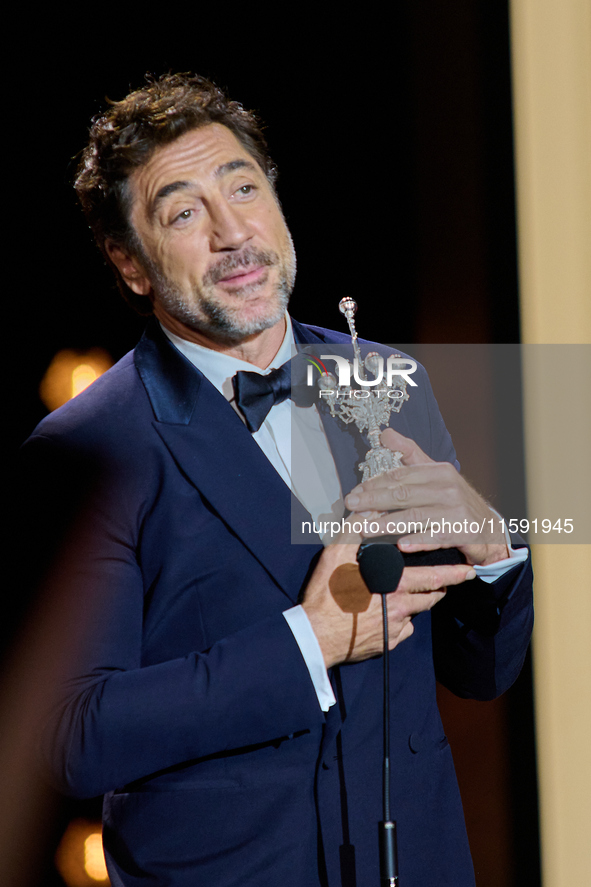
[(216, 452)]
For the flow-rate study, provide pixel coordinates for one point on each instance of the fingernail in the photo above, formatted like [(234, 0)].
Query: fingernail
[(471, 574), (352, 500)]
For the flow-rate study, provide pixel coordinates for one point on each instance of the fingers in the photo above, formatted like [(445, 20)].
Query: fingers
[(405, 632), (410, 545), (425, 579), (434, 485), (404, 607), (428, 505), (346, 618), (412, 454), (420, 588)]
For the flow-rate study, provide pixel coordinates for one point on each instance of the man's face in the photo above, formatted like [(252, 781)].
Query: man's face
[(216, 251)]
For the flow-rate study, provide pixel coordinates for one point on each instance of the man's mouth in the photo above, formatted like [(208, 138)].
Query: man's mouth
[(244, 276), (242, 269)]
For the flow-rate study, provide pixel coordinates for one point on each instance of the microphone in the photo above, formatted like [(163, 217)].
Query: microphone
[(381, 565)]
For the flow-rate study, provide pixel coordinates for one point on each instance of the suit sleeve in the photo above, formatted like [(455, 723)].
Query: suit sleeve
[(481, 631), (481, 634), (111, 719)]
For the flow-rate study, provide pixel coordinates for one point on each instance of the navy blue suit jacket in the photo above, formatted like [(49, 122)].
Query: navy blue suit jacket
[(187, 701)]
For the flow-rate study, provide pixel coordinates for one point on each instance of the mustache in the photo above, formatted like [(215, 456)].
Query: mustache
[(229, 263)]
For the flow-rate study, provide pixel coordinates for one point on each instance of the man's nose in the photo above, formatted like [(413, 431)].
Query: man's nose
[(230, 228)]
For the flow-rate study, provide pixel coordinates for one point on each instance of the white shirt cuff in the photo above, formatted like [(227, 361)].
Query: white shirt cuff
[(492, 572), (307, 641)]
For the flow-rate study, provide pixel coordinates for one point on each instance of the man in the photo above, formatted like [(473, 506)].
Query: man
[(223, 694)]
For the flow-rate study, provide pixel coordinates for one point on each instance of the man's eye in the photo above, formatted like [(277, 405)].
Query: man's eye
[(183, 216), (246, 189)]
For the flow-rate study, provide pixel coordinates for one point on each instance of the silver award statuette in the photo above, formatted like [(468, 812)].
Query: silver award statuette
[(370, 405)]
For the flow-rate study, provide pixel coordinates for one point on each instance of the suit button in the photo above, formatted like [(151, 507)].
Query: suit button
[(416, 742)]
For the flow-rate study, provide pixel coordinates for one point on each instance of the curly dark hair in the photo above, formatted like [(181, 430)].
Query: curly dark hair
[(125, 137)]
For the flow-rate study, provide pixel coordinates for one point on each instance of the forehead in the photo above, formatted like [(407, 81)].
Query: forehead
[(195, 157)]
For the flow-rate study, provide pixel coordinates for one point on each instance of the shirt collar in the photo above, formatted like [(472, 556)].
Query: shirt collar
[(220, 368)]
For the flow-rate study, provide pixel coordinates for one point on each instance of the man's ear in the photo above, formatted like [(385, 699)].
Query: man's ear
[(129, 268)]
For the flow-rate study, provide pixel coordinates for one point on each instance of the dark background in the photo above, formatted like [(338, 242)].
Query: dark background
[(392, 134)]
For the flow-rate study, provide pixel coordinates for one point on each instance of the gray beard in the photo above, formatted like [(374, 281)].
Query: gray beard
[(203, 312)]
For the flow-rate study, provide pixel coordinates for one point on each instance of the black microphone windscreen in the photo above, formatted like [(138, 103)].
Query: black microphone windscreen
[(381, 566)]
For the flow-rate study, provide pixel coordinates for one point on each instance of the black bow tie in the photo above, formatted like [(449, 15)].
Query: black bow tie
[(256, 394)]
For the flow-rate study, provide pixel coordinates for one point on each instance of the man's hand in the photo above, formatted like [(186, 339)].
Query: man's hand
[(347, 618), (430, 493)]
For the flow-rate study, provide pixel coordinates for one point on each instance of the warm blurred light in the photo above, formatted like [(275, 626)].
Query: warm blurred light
[(94, 858), (79, 858), (82, 376), (69, 373)]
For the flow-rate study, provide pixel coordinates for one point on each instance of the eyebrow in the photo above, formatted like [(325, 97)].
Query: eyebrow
[(221, 171), (225, 168), (166, 190)]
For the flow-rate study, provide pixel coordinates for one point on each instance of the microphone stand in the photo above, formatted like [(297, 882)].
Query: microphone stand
[(387, 828), (381, 567)]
